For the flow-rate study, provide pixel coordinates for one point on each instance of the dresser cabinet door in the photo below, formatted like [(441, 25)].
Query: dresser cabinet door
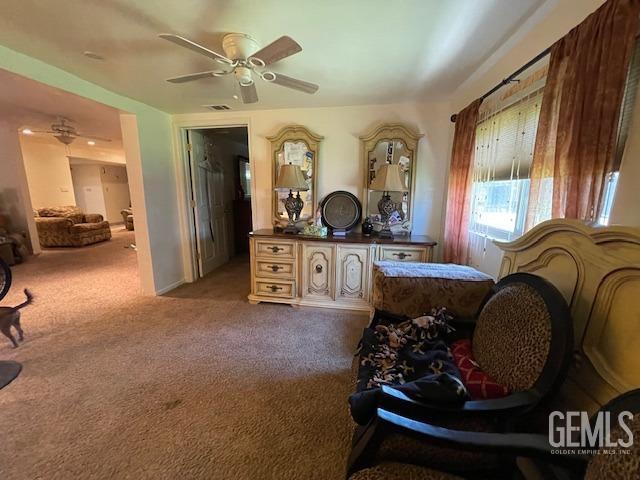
[(317, 270), (353, 273)]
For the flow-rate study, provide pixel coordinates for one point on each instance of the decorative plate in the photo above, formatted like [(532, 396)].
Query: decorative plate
[(341, 210)]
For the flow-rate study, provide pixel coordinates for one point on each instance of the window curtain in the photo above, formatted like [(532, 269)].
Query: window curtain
[(576, 140), (456, 229)]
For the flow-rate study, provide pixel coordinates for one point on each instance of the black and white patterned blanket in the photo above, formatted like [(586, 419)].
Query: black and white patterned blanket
[(412, 355)]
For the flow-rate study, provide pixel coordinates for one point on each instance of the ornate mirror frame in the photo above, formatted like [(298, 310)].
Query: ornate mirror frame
[(294, 133), (391, 132)]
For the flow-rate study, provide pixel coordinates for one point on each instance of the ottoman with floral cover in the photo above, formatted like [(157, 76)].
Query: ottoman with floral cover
[(413, 289), (68, 226)]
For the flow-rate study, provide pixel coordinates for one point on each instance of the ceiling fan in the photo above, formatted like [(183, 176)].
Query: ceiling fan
[(243, 59), (66, 133)]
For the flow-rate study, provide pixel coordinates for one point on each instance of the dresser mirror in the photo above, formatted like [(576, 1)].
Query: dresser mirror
[(295, 145), (392, 144)]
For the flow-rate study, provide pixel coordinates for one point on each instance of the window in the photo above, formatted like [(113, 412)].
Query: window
[(505, 138), (628, 103), (607, 200)]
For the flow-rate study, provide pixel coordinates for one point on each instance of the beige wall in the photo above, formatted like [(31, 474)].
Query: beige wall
[(340, 166), (102, 189), (48, 172), (15, 202), (115, 189), (88, 189)]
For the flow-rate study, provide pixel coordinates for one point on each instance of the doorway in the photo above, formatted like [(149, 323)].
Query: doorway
[(219, 178)]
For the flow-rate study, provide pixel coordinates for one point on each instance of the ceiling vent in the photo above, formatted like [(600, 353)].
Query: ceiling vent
[(217, 107)]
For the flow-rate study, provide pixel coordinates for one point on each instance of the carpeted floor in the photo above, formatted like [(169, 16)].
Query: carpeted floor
[(194, 384)]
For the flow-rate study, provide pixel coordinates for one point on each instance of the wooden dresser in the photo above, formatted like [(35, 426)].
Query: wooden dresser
[(332, 272)]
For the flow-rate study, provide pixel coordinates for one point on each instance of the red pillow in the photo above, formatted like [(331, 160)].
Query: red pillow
[(478, 383)]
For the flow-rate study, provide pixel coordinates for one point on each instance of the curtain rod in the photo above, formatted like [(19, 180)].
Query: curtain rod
[(510, 78)]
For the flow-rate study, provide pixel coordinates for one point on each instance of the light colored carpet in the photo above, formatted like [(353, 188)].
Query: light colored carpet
[(195, 384)]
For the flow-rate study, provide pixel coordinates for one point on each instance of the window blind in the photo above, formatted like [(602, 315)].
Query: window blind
[(505, 140), (628, 102)]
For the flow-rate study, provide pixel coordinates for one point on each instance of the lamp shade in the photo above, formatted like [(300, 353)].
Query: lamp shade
[(290, 177), (389, 179)]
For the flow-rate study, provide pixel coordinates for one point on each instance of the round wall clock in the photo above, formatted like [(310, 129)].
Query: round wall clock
[(341, 211)]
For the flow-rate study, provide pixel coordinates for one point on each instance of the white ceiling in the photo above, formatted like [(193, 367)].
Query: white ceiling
[(358, 51), (36, 106)]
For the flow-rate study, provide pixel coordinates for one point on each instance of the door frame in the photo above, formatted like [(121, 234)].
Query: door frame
[(185, 193)]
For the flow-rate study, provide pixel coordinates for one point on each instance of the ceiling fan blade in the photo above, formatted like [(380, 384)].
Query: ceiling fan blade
[(192, 76), (282, 48), (294, 83), (186, 43), (92, 137), (249, 93)]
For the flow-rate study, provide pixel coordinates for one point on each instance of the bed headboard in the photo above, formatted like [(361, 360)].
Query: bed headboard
[(597, 269)]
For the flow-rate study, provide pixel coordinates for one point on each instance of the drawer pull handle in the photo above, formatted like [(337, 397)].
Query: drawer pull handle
[(275, 268), (274, 288), (402, 255), (275, 249), (318, 268)]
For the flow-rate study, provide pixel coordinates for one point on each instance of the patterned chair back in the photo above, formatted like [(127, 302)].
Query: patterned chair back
[(523, 336), (605, 466)]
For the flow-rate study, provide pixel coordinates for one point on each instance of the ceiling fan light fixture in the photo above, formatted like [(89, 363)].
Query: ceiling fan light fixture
[(243, 75), (27, 131), (65, 138)]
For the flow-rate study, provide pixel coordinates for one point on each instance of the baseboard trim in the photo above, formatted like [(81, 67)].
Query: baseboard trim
[(168, 288)]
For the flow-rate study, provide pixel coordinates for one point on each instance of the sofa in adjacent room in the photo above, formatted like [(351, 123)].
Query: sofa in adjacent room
[(68, 226)]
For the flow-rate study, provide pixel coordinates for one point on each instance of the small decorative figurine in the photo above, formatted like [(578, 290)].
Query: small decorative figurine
[(367, 227)]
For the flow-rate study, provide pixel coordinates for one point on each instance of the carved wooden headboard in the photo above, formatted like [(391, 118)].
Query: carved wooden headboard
[(597, 269)]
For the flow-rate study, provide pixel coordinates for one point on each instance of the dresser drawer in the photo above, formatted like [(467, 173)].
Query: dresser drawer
[(279, 268), (275, 288), (275, 248), (403, 254)]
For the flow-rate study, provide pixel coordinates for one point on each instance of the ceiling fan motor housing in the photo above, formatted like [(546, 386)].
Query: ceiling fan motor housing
[(239, 46)]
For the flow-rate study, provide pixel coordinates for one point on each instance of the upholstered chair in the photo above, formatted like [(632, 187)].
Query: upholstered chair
[(127, 218), (522, 339), (542, 460)]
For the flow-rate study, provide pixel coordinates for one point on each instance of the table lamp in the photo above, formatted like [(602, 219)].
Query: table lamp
[(290, 177), (388, 179)]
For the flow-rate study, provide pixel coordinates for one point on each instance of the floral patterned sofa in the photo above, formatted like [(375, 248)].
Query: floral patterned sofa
[(68, 226)]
